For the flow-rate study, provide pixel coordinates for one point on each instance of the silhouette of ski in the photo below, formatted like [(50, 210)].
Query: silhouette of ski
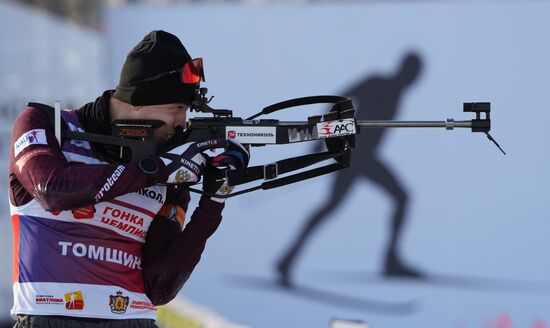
[(375, 98), (441, 280), (324, 296)]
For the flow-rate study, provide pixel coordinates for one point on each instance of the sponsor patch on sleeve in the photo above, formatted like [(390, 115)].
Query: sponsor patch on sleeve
[(29, 138)]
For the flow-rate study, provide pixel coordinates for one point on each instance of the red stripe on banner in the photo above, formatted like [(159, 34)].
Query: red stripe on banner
[(134, 207), (15, 224)]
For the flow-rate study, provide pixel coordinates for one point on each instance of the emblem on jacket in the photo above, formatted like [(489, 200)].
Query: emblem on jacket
[(74, 300), (84, 212), (118, 303), (182, 176)]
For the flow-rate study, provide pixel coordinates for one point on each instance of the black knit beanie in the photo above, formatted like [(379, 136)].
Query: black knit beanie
[(158, 52)]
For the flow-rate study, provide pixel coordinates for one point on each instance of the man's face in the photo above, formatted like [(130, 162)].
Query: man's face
[(173, 115)]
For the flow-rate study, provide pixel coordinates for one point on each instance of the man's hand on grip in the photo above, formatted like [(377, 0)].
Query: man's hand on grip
[(186, 163), (234, 157)]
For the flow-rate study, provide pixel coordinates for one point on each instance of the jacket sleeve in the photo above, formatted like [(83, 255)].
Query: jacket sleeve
[(39, 170), (171, 254)]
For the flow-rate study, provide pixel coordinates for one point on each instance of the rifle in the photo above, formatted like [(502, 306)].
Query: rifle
[(337, 129)]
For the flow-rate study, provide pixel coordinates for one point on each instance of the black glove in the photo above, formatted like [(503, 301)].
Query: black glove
[(234, 157)]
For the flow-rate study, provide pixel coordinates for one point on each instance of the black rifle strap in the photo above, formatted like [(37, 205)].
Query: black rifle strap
[(286, 180), (271, 171), (302, 176)]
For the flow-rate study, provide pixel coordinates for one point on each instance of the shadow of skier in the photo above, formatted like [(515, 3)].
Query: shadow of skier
[(375, 98)]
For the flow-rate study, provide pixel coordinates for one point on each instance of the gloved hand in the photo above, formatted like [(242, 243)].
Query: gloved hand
[(234, 157), (185, 163)]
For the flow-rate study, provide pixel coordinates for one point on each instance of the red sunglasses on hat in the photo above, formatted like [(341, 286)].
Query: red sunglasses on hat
[(192, 72)]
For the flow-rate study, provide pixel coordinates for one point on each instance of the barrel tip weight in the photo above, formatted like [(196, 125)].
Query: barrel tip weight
[(479, 124)]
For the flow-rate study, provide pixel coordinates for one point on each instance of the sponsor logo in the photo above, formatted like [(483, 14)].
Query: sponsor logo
[(252, 134), (32, 137), (48, 299), (151, 194), (255, 134), (100, 253), (123, 215), (74, 300), (326, 128), (118, 303), (84, 213), (132, 132), (124, 221), (142, 305), (207, 143), (110, 182), (194, 167), (336, 128)]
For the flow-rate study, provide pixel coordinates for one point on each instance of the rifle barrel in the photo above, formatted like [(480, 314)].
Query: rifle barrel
[(449, 124)]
